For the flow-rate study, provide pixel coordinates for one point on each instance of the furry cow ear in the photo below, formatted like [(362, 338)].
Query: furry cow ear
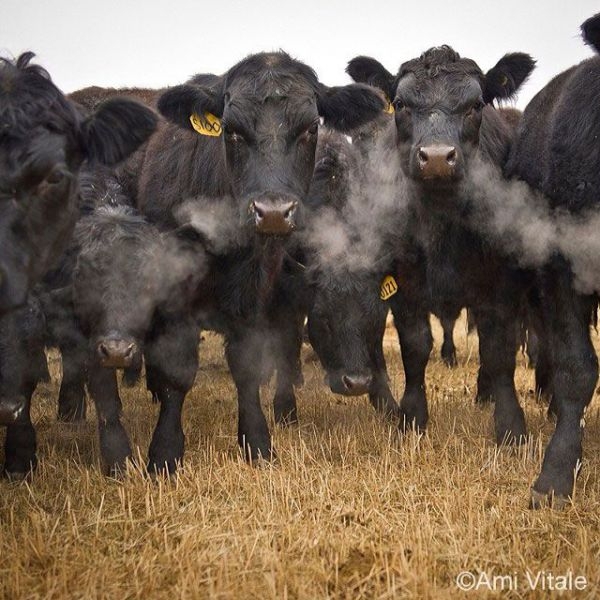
[(117, 128), (590, 30), (364, 69), (347, 107), (504, 80), (180, 102)]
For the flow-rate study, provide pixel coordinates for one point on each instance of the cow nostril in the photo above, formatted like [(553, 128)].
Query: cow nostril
[(129, 351), (422, 156), (451, 157), (258, 211), (289, 213), (103, 350), (348, 384)]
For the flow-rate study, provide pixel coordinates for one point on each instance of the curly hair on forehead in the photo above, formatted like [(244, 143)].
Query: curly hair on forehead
[(28, 98), (440, 60)]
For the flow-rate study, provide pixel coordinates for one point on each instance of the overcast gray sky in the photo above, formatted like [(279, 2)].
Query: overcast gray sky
[(155, 43)]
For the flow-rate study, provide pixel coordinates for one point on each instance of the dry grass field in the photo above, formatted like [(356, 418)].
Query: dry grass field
[(349, 510)]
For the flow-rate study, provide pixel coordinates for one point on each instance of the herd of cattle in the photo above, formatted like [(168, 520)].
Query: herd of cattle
[(250, 202)]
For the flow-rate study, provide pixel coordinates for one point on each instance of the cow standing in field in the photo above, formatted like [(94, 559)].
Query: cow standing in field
[(44, 140), (127, 295), (247, 140), (444, 125), (557, 152)]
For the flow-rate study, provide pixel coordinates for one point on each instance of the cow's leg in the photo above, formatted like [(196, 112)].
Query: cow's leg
[(414, 332), (114, 442), (288, 336), (244, 356), (171, 365), (497, 343), (567, 316), (448, 348), (71, 398), (380, 395), (20, 445)]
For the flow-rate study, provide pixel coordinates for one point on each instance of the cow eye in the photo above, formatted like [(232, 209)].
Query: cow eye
[(56, 176), (310, 131), (399, 106)]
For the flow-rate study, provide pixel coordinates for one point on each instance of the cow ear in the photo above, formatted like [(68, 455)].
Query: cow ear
[(503, 80), (117, 128), (179, 103), (364, 69), (590, 30), (347, 107)]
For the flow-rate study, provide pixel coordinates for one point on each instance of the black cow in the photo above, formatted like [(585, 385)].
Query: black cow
[(445, 126), (557, 152), (246, 140), (43, 142), (128, 295), (346, 318)]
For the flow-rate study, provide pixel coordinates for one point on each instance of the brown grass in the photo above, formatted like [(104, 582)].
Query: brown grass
[(350, 510)]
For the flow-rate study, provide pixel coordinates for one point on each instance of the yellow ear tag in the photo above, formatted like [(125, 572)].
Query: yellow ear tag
[(389, 108), (208, 124), (388, 287)]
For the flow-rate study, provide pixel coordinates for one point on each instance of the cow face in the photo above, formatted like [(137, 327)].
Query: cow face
[(345, 326), (268, 107), (116, 283), (439, 101), (43, 142)]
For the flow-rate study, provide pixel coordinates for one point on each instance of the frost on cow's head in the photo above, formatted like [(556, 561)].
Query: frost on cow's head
[(264, 116), (43, 142), (440, 100)]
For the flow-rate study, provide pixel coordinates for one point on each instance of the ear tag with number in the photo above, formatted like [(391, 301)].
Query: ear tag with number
[(388, 287), (208, 124)]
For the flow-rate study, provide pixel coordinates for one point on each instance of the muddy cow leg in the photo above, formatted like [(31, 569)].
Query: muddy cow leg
[(71, 398), (171, 364), (244, 350), (414, 332), (114, 442), (497, 343), (567, 316)]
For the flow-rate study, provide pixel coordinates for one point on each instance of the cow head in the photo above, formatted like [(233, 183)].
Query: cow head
[(43, 142), (263, 116), (439, 101), (345, 326)]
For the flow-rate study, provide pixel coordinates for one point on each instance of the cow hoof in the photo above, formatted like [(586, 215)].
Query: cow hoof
[(510, 428), (288, 419), (549, 500), (71, 417), (410, 424), (164, 468), (450, 361), (16, 476), (258, 457)]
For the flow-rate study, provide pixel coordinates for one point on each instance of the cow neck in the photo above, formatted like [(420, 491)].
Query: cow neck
[(269, 254)]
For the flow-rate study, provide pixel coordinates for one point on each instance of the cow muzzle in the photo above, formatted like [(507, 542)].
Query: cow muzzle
[(350, 384), (438, 162), (274, 216), (115, 353)]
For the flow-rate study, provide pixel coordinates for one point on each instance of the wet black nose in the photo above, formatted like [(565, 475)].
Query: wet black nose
[(437, 162), (356, 385), (116, 353), (272, 217)]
